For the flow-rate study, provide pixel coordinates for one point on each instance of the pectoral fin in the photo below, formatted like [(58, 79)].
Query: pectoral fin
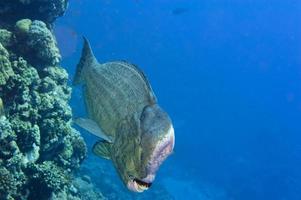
[(92, 127), (102, 149)]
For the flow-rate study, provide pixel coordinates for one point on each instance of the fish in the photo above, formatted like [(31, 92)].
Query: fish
[(1, 108), (179, 11), (135, 133)]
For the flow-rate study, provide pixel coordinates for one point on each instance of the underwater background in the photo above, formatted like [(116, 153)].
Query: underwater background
[(229, 74)]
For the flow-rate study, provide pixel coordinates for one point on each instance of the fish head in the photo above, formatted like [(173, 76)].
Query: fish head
[(154, 144)]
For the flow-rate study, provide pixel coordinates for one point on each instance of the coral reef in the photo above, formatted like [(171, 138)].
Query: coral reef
[(39, 150), (45, 179), (5, 66)]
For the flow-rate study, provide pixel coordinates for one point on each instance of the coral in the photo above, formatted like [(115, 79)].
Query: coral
[(8, 185), (22, 27), (8, 146), (39, 150), (46, 178), (43, 42), (5, 66), (35, 35), (72, 153), (6, 37), (11, 176), (64, 195)]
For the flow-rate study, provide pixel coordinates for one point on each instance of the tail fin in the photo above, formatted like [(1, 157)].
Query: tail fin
[(87, 60)]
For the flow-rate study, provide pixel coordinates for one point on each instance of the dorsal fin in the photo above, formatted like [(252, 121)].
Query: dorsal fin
[(87, 60)]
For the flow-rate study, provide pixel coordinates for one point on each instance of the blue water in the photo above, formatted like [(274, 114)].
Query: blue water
[(228, 72)]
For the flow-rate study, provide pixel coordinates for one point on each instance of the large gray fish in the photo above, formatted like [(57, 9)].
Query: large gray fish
[(137, 135)]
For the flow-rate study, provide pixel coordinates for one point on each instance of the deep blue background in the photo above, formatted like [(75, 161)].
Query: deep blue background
[(227, 72)]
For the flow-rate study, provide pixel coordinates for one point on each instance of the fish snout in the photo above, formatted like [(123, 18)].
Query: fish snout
[(162, 150), (164, 145)]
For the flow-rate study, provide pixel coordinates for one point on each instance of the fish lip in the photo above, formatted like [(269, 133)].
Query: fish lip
[(149, 178), (163, 149), (137, 185)]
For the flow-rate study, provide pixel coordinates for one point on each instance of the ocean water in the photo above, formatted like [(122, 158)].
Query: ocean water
[(228, 72)]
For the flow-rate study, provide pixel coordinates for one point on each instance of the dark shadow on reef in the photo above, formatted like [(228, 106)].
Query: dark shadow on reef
[(39, 150), (44, 10)]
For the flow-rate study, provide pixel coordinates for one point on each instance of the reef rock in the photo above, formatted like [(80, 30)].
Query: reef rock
[(39, 150), (45, 10)]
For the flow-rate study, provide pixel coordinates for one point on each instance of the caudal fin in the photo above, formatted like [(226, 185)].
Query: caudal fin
[(87, 60)]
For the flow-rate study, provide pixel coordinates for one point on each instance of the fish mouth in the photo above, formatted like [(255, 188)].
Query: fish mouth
[(162, 150), (138, 185)]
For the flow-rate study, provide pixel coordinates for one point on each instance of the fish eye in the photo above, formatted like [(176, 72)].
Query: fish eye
[(138, 140)]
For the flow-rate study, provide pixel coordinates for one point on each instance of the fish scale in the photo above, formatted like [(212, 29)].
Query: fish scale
[(131, 93), (121, 78), (104, 110)]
